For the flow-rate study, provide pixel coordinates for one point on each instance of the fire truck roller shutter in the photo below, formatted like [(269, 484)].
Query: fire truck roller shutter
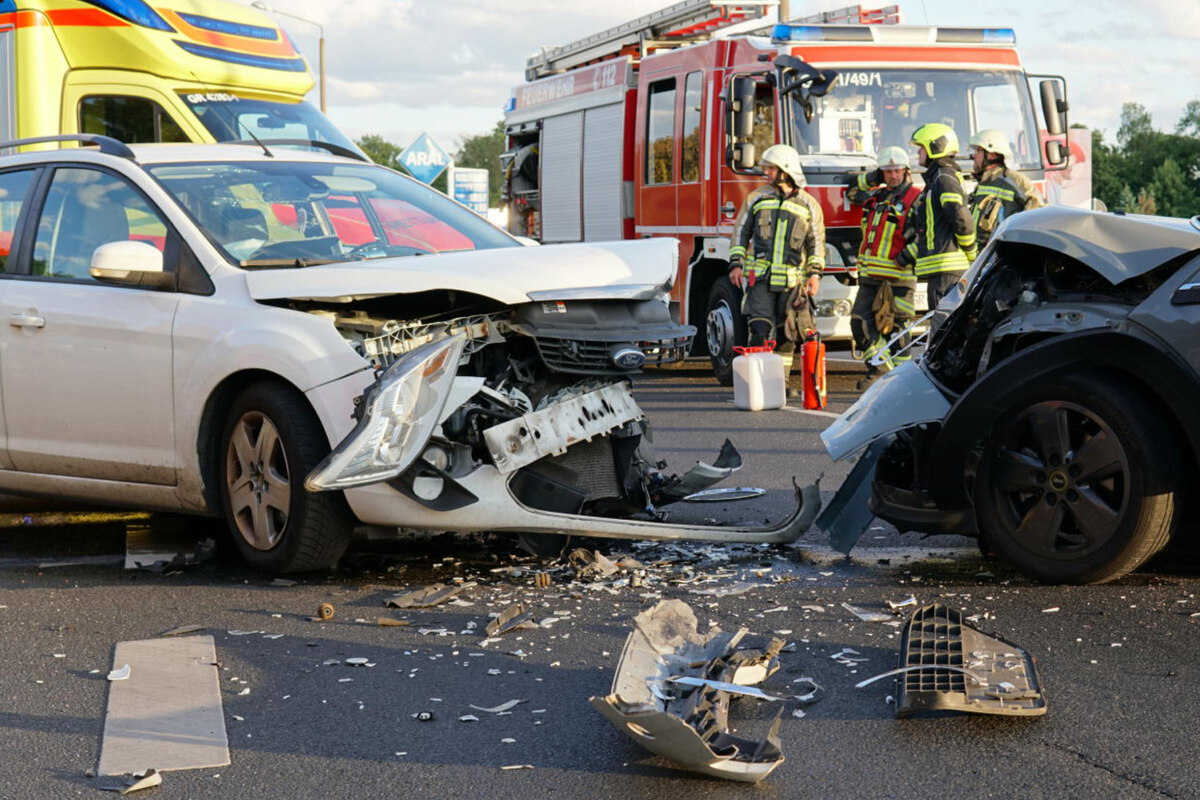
[(602, 142), (561, 152), (8, 82)]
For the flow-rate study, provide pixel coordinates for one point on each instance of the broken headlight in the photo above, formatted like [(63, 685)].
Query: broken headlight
[(401, 412)]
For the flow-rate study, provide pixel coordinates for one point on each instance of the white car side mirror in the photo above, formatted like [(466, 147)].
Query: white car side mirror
[(125, 261)]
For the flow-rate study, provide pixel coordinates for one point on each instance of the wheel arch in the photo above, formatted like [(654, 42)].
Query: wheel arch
[(1131, 356), (212, 419)]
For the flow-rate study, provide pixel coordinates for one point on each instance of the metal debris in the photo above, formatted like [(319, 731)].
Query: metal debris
[(427, 597), (590, 565), (512, 618), (730, 494), (500, 709), (689, 725), (182, 629), (867, 615)]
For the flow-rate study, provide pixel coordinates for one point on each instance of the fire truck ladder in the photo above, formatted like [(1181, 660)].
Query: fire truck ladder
[(854, 15), (682, 23)]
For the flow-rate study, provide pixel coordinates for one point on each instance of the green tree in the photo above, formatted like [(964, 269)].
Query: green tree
[(483, 152), (1189, 123), (381, 151), (1135, 124), (1125, 200), (1107, 181), (1146, 204), (1173, 194)]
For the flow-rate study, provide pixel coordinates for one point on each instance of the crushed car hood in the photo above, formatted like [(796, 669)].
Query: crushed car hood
[(1116, 246), (509, 275)]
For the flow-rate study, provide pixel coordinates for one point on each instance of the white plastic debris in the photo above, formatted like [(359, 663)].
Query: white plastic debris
[(119, 674)]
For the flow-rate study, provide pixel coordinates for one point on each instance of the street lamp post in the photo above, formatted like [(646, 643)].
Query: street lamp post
[(261, 6)]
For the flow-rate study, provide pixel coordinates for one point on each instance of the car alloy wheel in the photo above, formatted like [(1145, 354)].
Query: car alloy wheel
[(258, 480)]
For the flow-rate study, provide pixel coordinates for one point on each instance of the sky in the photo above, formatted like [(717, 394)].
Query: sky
[(398, 68)]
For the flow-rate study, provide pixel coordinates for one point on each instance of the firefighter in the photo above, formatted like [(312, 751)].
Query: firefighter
[(939, 232), (1002, 191), (777, 254), (885, 290)]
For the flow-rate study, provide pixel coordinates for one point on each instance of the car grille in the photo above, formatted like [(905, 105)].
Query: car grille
[(588, 357)]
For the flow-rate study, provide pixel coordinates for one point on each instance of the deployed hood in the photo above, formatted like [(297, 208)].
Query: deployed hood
[(510, 275), (1116, 246)]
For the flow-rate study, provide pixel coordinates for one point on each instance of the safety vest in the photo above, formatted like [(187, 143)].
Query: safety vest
[(884, 213), (939, 229), (778, 237)]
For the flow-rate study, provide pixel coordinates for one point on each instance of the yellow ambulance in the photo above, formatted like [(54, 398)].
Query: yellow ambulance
[(177, 70)]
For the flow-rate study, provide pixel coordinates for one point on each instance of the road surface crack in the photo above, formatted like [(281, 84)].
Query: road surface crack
[(1141, 782)]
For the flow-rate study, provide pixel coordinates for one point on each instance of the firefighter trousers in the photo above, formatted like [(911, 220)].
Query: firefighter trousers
[(766, 313), (868, 340)]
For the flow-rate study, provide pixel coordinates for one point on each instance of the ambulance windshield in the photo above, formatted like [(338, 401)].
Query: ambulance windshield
[(869, 109), (231, 118)]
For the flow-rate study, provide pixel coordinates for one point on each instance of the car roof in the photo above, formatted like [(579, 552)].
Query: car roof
[(147, 154)]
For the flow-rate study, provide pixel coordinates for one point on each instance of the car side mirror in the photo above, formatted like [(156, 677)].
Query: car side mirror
[(131, 263)]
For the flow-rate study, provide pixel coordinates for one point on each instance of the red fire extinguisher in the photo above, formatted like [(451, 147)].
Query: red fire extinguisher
[(812, 370)]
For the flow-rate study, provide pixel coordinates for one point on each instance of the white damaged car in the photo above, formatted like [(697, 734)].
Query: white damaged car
[(302, 343)]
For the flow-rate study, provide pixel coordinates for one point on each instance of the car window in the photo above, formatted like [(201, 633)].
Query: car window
[(277, 213), (13, 187), (85, 208), (130, 119)]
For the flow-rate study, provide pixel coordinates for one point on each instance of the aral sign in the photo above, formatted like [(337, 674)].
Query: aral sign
[(425, 159)]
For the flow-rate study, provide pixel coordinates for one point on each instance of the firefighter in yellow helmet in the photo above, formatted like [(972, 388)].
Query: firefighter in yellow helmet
[(777, 254), (885, 290), (940, 233), (1002, 190)]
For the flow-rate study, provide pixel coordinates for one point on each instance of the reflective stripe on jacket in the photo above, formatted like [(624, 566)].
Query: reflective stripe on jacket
[(939, 229), (1001, 193), (884, 213), (779, 237)]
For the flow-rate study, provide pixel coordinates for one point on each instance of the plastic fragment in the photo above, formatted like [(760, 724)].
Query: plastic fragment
[(119, 674), (389, 622), (517, 766), (428, 596), (511, 704), (182, 629)]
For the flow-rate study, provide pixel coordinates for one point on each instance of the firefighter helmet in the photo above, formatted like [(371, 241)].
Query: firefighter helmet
[(936, 139), (992, 141), (891, 157), (787, 160)]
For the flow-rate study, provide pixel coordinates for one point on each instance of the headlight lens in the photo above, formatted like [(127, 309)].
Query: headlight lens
[(402, 410)]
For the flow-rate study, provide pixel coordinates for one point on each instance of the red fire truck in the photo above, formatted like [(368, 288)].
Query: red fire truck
[(654, 128)]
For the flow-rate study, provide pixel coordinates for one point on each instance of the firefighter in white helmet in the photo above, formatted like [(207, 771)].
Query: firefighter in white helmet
[(777, 254), (884, 302), (1002, 190)]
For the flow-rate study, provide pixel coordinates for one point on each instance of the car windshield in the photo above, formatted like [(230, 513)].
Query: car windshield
[(869, 109), (231, 118), (297, 213)]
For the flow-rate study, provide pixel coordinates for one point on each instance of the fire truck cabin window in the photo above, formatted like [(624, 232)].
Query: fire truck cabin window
[(660, 133), (690, 157)]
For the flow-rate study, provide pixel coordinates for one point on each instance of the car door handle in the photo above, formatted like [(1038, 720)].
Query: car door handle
[(27, 321)]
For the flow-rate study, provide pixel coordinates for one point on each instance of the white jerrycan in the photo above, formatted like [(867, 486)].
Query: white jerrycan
[(759, 382)]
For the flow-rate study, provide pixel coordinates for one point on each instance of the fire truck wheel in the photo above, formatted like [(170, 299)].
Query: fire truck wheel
[(725, 327)]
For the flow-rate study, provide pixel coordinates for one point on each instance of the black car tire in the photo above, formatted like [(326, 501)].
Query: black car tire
[(1078, 481), (270, 442), (725, 301)]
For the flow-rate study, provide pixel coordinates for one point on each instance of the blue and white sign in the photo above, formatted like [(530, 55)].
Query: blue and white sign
[(469, 186), (425, 159)]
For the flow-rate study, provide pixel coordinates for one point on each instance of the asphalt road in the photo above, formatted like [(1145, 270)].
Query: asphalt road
[(1118, 662)]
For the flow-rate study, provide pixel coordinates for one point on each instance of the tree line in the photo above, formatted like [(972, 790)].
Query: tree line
[(1148, 171)]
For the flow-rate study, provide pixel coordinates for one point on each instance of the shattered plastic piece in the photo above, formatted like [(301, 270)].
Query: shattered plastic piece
[(423, 716), (909, 601), (182, 629), (119, 674), (512, 618), (689, 726), (726, 591), (429, 596), (468, 718), (590, 565), (385, 622), (511, 704), (728, 493), (358, 662), (517, 766), (936, 640), (867, 615), (732, 688), (147, 780), (243, 633), (810, 697), (1052, 610)]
